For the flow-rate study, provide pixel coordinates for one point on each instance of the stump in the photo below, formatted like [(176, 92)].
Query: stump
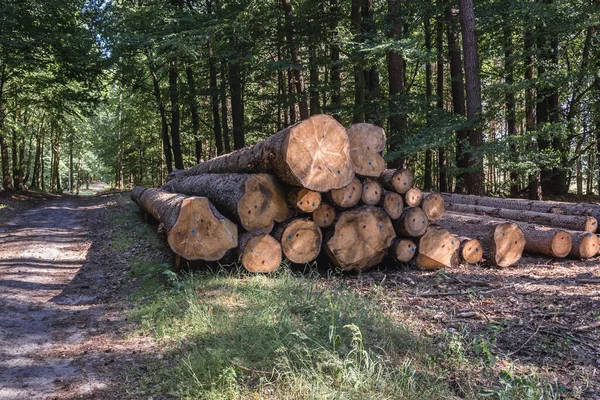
[(372, 192), (259, 252), (585, 245), (359, 239), (348, 196), (413, 222), (304, 200), (255, 201), (393, 204), (398, 180), (403, 250), (433, 205), (300, 239), (367, 141), (313, 154), (437, 249), (324, 215), (413, 197), (195, 229)]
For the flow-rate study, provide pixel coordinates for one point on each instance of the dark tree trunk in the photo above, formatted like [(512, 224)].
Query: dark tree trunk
[(371, 75), (535, 188), (473, 89), (237, 104), (292, 103), (175, 113), (428, 178), (214, 100), (511, 108), (224, 122), (359, 79), (336, 97), (458, 96), (6, 178), (35, 178), (443, 181), (195, 115), (296, 67), (396, 73), (166, 141), (119, 155), (315, 107)]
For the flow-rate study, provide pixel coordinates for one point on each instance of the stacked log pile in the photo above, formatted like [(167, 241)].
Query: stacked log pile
[(318, 188)]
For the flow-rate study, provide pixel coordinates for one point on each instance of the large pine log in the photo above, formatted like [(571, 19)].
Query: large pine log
[(314, 154), (300, 239), (572, 222), (360, 238), (413, 222), (259, 252), (372, 192), (195, 229), (403, 250), (503, 243), (413, 197), (349, 195), (399, 180), (304, 200), (437, 249), (554, 207), (255, 201), (136, 193), (367, 141), (324, 216), (585, 245), (433, 205), (393, 204)]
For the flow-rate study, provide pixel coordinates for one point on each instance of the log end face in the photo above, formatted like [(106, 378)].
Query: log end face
[(413, 222), (368, 164), (588, 245), (472, 251), (413, 197), (307, 200), (372, 192), (301, 241), (349, 195), (317, 153), (509, 242), (199, 234), (402, 180), (262, 204), (404, 250), (393, 205), (434, 206), (366, 136), (561, 244), (324, 215), (437, 248), (591, 224), (262, 254)]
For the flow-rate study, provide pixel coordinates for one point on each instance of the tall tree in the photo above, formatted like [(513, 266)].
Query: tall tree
[(396, 74), (439, 43)]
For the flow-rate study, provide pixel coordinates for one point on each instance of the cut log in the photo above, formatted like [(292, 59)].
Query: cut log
[(554, 207), (413, 222), (393, 204), (136, 194), (360, 238), (403, 250), (195, 229), (398, 180), (437, 249), (372, 192), (324, 215), (255, 201), (367, 141), (304, 200), (348, 196), (470, 251), (572, 222), (503, 243), (300, 239), (585, 245), (413, 197), (314, 154), (259, 252), (433, 205)]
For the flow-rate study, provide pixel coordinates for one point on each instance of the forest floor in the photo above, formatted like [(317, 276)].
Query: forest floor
[(90, 310)]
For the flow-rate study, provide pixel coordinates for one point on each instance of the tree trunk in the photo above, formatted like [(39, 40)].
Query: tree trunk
[(511, 106), (166, 141), (237, 104), (300, 239), (119, 155), (585, 245), (458, 97), (412, 223), (175, 113), (359, 82), (315, 107), (296, 64), (360, 238), (193, 102), (428, 175), (437, 249), (398, 180), (535, 188), (259, 252), (372, 91), (367, 141), (475, 177), (336, 97), (35, 178), (396, 74), (255, 201), (224, 123), (71, 164), (295, 156), (195, 229), (442, 161)]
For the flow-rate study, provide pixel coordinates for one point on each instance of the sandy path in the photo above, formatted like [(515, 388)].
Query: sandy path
[(41, 251)]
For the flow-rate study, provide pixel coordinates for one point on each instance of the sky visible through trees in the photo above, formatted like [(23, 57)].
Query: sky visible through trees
[(476, 96)]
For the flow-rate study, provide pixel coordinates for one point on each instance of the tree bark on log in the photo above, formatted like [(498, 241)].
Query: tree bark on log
[(372, 192), (367, 141), (413, 197), (552, 207), (349, 195), (313, 153), (360, 238), (437, 249), (195, 229), (392, 204), (259, 252), (433, 205), (585, 245), (403, 250), (304, 200), (301, 240), (413, 222), (398, 180), (572, 222), (324, 215), (503, 243), (255, 201)]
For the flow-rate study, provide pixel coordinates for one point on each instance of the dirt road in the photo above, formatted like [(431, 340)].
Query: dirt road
[(54, 317)]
